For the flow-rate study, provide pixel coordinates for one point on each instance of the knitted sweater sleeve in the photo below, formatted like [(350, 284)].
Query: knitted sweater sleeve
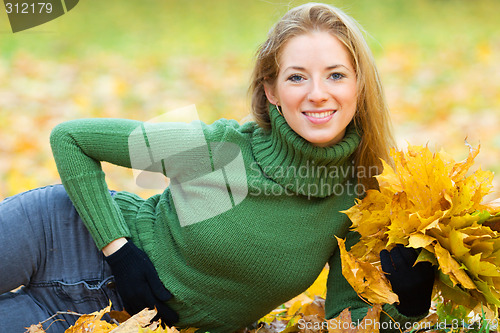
[(340, 295), (78, 147)]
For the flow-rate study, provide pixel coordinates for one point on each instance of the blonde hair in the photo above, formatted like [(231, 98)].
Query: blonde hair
[(372, 115)]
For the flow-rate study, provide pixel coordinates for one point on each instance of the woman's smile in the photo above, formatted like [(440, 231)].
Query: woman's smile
[(319, 117)]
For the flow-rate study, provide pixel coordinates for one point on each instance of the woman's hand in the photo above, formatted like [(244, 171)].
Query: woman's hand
[(412, 283), (137, 281)]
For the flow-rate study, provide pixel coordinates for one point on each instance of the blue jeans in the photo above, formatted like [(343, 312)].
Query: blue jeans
[(45, 247)]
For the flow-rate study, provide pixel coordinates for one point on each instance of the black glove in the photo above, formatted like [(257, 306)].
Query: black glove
[(412, 284), (138, 283)]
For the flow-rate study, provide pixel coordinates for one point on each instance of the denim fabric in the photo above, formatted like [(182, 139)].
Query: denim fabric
[(45, 247)]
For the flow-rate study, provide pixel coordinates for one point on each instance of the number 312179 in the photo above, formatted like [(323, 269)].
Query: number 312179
[(28, 8)]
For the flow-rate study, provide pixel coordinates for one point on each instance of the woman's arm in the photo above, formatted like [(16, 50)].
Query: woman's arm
[(114, 246), (78, 147)]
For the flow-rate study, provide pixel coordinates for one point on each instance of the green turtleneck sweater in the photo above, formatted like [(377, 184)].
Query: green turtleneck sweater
[(247, 222)]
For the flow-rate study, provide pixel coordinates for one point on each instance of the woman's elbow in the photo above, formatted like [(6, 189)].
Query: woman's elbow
[(61, 133)]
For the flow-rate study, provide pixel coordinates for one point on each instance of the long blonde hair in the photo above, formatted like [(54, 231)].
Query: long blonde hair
[(372, 115)]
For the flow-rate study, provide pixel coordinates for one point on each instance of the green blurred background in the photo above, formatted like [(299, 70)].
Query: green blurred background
[(439, 61)]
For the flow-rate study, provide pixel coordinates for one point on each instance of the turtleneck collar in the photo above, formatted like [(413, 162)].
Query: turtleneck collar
[(296, 164)]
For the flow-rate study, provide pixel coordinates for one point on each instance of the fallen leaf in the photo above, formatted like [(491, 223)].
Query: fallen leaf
[(344, 324), (368, 281), (139, 320), (91, 323), (38, 328), (119, 316), (316, 307)]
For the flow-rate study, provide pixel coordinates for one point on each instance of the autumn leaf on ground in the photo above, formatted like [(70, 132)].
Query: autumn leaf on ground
[(316, 307), (119, 316), (428, 201), (92, 323), (343, 323), (35, 328), (306, 318), (137, 321)]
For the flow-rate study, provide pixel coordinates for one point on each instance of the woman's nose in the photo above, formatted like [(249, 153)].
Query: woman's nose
[(318, 92)]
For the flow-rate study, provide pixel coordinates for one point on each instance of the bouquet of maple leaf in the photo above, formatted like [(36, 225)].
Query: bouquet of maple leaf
[(428, 202)]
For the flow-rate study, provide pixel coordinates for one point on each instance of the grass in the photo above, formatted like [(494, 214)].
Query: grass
[(151, 28), (138, 59)]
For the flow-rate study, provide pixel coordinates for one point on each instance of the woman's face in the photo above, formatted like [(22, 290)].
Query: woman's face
[(315, 87)]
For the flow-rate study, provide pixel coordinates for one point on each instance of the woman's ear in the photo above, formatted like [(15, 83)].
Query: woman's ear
[(270, 94)]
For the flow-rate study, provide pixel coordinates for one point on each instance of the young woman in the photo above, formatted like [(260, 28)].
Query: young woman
[(249, 218)]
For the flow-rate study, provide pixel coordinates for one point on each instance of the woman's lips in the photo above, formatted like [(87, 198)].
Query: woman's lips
[(319, 117)]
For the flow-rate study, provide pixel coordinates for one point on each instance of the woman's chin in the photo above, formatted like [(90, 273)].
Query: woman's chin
[(324, 141)]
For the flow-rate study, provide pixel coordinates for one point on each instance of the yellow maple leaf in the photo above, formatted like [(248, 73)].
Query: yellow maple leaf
[(316, 307), (428, 201), (318, 288), (137, 321), (452, 268), (368, 281), (92, 323)]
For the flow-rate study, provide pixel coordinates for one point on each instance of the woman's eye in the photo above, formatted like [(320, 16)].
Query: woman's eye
[(337, 76), (295, 78)]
